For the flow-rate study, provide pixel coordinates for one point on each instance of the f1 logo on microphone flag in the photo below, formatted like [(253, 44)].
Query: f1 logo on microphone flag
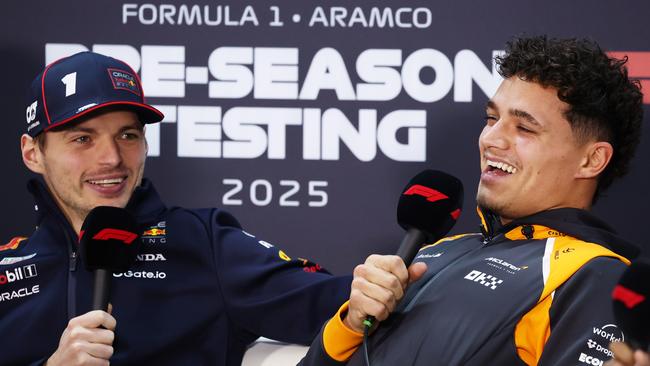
[(124, 236), (430, 194)]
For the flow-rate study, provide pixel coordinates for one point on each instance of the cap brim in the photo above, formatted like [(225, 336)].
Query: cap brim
[(146, 113)]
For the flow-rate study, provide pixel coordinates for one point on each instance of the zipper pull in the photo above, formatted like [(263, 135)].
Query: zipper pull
[(486, 235), (73, 261)]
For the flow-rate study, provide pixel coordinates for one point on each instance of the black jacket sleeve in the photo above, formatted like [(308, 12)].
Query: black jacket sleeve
[(582, 320)]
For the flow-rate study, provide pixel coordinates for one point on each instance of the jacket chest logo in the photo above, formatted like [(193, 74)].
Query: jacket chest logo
[(156, 234), (484, 279)]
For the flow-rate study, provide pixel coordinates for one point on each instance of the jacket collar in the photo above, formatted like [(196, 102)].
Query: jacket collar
[(145, 203), (573, 222)]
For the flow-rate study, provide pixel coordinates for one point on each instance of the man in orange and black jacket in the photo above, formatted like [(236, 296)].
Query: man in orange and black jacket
[(533, 288)]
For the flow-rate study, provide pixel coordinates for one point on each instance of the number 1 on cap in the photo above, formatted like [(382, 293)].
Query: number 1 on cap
[(70, 82)]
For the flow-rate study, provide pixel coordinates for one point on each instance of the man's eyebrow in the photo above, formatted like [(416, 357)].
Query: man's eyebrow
[(525, 115), (74, 129), (514, 112), (136, 125)]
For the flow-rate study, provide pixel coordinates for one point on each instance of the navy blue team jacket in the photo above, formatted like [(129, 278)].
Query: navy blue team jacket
[(201, 290)]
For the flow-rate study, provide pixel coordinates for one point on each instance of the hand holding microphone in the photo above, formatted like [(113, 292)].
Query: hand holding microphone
[(428, 208), (109, 242)]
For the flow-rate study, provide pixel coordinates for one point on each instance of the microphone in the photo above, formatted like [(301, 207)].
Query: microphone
[(631, 300), (428, 208), (109, 242)]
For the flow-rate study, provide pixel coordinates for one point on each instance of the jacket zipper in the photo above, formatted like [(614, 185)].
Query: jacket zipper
[(72, 278)]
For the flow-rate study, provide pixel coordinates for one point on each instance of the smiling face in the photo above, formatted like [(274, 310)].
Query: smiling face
[(96, 162), (530, 159)]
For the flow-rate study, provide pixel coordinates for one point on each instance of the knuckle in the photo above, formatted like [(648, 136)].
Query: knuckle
[(393, 259), (83, 359), (358, 283), (387, 298), (72, 322), (355, 298), (379, 311), (111, 338), (77, 351), (75, 333), (373, 258), (76, 348), (360, 270), (394, 283), (376, 309)]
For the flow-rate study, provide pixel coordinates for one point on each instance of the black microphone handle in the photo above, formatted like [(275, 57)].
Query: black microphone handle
[(102, 287), (411, 243)]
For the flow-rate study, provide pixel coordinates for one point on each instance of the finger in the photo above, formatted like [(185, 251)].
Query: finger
[(392, 264), (416, 271), (94, 319), (81, 335), (361, 310), (622, 353), (378, 276), (101, 336), (110, 308), (370, 290), (100, 351)]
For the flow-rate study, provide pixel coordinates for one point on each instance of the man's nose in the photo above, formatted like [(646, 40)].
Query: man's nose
[(109, 153), (496, 135)]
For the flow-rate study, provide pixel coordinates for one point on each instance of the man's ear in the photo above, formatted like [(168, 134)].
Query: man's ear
[(32, 155), (597, 156)]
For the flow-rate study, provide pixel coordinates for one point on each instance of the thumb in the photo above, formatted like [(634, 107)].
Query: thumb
[(416, 271)]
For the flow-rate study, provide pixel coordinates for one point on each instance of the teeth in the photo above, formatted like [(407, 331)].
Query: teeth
[(107, 181), (503, 166)]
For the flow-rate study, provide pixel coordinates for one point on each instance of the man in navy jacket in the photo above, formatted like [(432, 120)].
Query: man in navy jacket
[(201, 290)]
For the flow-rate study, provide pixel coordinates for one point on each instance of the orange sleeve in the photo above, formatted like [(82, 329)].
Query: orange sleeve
[(339, 341)]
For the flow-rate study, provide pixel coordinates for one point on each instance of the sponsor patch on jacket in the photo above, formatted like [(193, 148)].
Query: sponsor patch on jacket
[(13, 243), (6, 261), (124, 80), (17, 294), (156, 234), (157, 231), (18, 274)]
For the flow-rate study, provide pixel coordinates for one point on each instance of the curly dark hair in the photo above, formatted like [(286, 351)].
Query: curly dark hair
[(603, 102)]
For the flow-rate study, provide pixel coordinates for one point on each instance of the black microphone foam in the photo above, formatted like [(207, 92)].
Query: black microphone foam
[(631, 299), (428, 208), (109, 242)]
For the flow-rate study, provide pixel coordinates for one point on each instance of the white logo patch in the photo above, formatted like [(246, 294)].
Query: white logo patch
[(484, 279), (13, 260)]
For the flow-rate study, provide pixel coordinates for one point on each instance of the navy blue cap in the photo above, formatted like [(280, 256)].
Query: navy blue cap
[(76, 85)]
